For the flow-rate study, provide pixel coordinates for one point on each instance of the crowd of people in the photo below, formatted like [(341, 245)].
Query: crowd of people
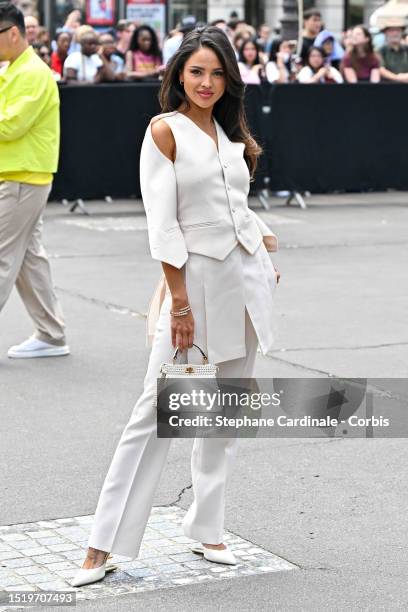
[(134, 52)]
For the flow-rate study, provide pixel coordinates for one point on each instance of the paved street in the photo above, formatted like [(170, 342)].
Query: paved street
[(327, 515)]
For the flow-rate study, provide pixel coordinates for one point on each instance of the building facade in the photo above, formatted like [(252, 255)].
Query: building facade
[(337, 14)]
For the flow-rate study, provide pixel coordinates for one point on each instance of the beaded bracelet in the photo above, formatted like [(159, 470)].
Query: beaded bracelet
[(183, 311)]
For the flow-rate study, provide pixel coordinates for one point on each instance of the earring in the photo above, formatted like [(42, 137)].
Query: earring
[(181, 82)]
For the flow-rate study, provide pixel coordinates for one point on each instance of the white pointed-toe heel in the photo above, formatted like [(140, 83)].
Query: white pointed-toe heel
[(88, 576), (214, 555)]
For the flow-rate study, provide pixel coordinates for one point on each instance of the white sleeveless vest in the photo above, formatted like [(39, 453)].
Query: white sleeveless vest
[(198, 219), (199, 203)]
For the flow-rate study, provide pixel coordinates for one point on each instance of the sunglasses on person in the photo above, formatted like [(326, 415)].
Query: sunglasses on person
[(5, 29)]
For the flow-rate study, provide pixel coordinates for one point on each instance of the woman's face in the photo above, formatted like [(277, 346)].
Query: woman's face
[(45, 55), (315, 60), (328, 46), (358, 36), (203, 74), (238, 41), (64, 40), (285, 47), (250, 53), (348, 40), (145, 41)]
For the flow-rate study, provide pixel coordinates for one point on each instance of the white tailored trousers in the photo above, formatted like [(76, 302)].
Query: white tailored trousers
[(126, 497)]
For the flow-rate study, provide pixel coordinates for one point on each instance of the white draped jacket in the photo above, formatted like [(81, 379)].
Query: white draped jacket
[(199, 220)]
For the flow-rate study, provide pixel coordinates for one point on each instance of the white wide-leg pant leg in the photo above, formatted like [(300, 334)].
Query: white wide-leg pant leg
[(127, 493), (212, 458), (126, 497)]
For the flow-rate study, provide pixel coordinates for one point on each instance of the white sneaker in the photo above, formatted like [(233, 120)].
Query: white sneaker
[(217, 556), (32, 347)]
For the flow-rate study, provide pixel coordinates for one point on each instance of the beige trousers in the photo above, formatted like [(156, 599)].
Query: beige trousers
[(23, 259), (127, 494)]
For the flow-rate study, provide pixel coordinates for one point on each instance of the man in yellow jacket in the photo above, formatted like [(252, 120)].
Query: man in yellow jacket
[(29, 146)]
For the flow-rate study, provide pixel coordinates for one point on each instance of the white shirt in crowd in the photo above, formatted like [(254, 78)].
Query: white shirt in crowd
[(117, 63), (248, 75), (306, 73), (86, 66), (273, 73), (170, 46)]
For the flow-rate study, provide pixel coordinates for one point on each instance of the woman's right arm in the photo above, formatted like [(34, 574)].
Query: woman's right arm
[(306, 75), (350, 75), (283, 72), (159, 192), (375, 76), (182, 328), (346, 68), (129, 61)]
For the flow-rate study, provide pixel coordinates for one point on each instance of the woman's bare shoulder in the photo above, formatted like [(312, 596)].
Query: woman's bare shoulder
[(163, 137)]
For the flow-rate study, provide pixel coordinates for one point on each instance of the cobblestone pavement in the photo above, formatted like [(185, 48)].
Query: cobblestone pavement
[(45, 555)]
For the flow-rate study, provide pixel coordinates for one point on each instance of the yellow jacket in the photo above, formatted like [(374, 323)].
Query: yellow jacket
[(29, 121)]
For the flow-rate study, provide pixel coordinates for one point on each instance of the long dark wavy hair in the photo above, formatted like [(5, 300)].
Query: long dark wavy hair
[(368, 48), (273, 53), (241, 52), (154, 47), (229, 109), (309, 53)]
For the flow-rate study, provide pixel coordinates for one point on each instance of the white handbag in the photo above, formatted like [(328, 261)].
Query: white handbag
[(190, 370), (185, 372)]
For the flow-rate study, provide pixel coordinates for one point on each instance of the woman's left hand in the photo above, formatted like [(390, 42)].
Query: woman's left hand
[(270, 243)]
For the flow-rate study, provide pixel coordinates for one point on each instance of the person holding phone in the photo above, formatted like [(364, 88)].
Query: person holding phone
[(318, 69), (278, 68)]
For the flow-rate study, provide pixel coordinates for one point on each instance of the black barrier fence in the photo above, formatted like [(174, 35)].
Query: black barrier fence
[(317, 138)]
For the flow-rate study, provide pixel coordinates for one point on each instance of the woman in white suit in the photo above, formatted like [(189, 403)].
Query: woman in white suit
[(196, 163)]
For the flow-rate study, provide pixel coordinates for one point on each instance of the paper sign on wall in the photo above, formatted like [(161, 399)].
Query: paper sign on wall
[(100, 12), (151, 13)]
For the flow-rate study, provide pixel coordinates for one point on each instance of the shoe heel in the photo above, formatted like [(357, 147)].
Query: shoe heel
[(94, 574)]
